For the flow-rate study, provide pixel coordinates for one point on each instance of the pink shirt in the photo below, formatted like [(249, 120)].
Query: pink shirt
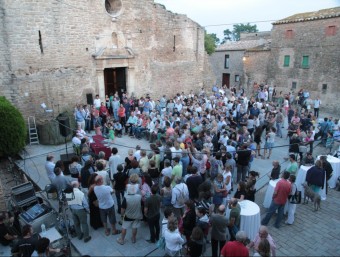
[(257, 241)]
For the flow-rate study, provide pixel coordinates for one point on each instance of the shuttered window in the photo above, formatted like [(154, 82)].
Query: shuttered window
[(286, 61), (305, 61)]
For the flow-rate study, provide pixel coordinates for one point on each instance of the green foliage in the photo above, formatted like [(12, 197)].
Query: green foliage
[(12, 129), (210, 42), (237, 29)]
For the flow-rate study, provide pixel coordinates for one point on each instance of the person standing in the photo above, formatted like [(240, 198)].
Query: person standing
[(317, 103), (236, 248), (219, 232), (234, 218), (152, 208), (315, 177), (49, 166), (114, 160), (132, 212), (280, 196), (118, 185), (263, 234), (328, 169), (293, 165), (79, 208), (243, 158), (291, 201), (106, 205)]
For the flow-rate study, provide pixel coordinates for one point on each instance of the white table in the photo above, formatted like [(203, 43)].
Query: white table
[(51, 234), (335, 162), (301, 178), (269, 193), (250, 218)]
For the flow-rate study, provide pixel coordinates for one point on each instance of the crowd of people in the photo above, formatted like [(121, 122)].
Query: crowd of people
[(199, 166)]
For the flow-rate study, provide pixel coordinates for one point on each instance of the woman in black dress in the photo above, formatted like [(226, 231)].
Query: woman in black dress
[(95, 220), (241, 191)]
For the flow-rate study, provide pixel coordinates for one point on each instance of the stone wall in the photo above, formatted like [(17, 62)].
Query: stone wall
[(55, 51), (309, 38), (255, 68)]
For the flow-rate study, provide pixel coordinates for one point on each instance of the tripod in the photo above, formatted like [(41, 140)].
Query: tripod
[(64, 221)]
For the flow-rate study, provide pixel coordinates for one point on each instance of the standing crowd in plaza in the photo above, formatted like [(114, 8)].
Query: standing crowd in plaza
[(199, 166)]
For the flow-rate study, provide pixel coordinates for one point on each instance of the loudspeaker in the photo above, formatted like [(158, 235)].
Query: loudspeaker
[(66, 158), (64, 126), (89, 99)]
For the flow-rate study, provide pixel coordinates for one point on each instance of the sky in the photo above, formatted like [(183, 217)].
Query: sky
[(219, 12)]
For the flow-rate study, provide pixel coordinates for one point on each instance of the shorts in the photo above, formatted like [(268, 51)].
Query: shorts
[(108, 213), (133, 224), (268, 145)]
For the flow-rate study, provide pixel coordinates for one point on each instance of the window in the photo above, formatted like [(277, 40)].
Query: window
[(294, 85), (289, 34), (305, 61), (286, 61), (226, 61), (330, 31), (237, 78), (324, 88)]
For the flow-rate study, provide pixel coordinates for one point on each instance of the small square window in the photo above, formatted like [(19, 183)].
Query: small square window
[(305, 61), (330, 31), (226, 61), (237, 78), (324, 88), (286, 61), (294, 85), (289, 34)]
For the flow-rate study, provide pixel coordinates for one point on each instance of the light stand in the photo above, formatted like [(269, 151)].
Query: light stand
[(63, 220)]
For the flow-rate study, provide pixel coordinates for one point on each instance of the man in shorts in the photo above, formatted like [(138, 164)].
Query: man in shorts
[(106, 205), (131, 210)]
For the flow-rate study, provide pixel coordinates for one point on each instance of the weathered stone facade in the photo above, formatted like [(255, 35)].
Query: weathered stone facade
[(56, 51), (317, 36), (238, 60)]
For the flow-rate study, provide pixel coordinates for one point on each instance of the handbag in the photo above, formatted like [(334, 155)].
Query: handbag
[(161, 243)]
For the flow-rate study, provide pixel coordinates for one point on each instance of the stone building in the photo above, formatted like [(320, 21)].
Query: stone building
[(229, 59), (305, 53), (301, 51), (63, 52)]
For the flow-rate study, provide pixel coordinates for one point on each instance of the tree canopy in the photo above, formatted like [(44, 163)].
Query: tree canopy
[(237, 29), (12, 129), (210, 42)]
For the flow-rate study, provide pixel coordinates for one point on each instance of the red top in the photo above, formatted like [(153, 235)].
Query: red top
[(103, 110), (234, 248), (282, 191), (121, 112)]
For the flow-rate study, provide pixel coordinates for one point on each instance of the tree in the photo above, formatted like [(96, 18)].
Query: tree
[(228, 35), (210, 42), (237, 29), (12, 129)]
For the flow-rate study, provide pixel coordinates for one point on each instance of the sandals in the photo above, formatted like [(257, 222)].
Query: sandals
[(120, 241), (107, 232), (117, 232), (133, 240)]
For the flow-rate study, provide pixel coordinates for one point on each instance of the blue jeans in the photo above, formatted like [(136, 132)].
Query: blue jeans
[(272, 209), (278, 129)]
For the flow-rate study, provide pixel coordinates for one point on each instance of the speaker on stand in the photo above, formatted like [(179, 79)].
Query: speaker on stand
[(64, 128)]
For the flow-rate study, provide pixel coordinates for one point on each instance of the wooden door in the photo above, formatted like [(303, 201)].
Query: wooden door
[(226, 79)]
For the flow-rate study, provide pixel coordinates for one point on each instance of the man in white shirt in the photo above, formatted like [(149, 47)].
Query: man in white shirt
[(317, 103), (137, 153), (97, 102), (114, 160), (106, 205)]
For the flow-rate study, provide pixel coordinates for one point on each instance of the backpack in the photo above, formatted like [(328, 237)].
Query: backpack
[(296, 197), (181, 198), (216, 168)]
